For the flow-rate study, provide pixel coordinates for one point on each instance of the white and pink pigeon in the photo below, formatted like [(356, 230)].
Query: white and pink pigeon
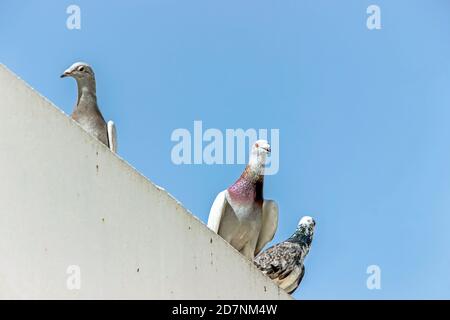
[(240, 214)]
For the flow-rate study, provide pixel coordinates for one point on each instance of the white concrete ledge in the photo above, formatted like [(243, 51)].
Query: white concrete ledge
[(67, 200)]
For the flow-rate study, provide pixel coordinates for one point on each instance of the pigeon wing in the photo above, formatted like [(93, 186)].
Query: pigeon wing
[(112, 136), (269, 263), (216, 212), (269, 224), (279, 261), (294, 286)]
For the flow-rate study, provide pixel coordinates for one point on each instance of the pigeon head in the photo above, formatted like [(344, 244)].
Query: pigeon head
[(258, 154), (80, 71), (306, 221), (305, 231)]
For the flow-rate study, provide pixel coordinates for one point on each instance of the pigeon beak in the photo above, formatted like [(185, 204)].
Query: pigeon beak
[(67, 73)]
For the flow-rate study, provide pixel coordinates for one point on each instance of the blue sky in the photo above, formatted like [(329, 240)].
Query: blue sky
[(363, 115)]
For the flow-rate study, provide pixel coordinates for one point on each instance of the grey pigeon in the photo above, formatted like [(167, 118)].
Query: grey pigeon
[(87, 112), (283, 263), (240, 214)]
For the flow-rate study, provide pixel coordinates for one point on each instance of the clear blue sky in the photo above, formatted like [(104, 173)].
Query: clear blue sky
[(364, 116)]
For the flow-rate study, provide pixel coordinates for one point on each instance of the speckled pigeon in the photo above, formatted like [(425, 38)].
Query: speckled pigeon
[(283, 263), (240, 214), (87, 112)]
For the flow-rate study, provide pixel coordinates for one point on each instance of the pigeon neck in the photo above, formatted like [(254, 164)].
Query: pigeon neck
[(248, 188), (303, 235), (253, 175), (255, 167), (86, 92)]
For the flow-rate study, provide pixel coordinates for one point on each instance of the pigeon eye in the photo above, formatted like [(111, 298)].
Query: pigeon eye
[(256, 145), (81, 69)]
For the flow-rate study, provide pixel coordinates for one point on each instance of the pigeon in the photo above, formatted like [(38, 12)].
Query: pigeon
[(283, 263), (87, 112), (240, 214)]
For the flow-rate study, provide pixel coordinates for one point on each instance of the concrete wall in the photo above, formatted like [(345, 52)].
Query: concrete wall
[(65, 199)]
